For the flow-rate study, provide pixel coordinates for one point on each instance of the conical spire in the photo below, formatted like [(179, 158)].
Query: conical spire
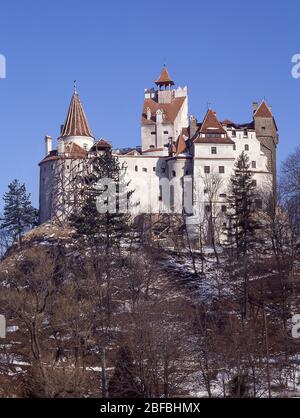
[(76, 123), (164, 78)]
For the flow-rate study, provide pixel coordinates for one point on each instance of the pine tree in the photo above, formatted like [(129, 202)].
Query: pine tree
[(242, 227), (107, 228), (19, 215), (242, 224), (124, 382)]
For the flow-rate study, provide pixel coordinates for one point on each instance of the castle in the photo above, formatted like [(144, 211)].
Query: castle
[(176, 149)]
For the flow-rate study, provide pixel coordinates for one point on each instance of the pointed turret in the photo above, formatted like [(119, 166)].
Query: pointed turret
[(267, 134), (164, 79), (263, 111), (76, 127), (76, 123)]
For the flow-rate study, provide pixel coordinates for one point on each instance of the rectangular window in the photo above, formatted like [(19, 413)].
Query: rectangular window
[(246, 147), (234, 134), (145, 169), (213, 150), (207, 208), (153, 133), (154, 169), (166, 132), (136, 168), (245, 133), (221, 169), (206, 169), (254, 183), (223, 195), (253, 164), (234, 147), (174, 173), (223, 208), (160, 193)]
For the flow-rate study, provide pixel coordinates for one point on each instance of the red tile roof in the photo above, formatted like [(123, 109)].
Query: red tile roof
[(211, 123), (209, 127), (73, 150), (180, 144), (76, 123), (164, 78), (216, 140), (170, 110), (263, 111), (100, 145)]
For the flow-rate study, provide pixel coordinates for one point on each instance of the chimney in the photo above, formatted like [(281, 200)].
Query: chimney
[(61, 146), (48, 144), (254, 107), (193, 126)]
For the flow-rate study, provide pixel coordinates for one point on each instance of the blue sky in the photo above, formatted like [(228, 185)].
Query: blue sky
[(229, 53)]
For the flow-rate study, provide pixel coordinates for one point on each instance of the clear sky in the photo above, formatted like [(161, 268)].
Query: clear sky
[(229, 53)]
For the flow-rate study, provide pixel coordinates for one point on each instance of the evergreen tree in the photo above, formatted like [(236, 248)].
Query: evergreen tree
[(242, 228), (102, 233), (124, 382), (105, 228), (19, 215), (242, 224)]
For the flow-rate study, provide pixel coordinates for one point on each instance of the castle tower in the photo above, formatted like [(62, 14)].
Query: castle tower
[(164, 115), (76, 128), (267, 134)]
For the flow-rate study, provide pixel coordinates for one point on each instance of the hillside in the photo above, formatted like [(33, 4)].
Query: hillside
[(181, 325)]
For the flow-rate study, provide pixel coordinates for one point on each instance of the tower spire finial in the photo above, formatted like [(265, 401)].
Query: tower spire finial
[(75, 86)]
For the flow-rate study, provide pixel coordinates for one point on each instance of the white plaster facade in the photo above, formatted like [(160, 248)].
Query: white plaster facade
[(174, 155)]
